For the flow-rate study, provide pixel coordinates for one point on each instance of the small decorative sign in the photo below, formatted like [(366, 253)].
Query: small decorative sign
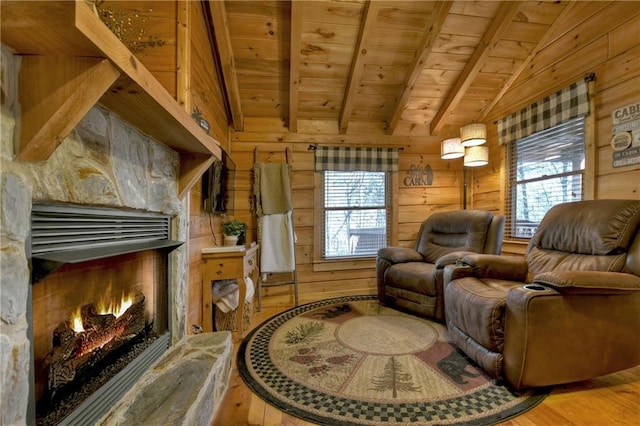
[(625, 140), (197, 115), (418, 175), (621, 141), (628, 157)]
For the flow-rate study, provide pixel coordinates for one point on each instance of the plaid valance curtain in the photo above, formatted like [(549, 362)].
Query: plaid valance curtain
[(568, 103), (356, 159)]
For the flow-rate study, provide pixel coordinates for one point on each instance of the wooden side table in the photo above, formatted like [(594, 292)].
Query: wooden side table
[(221, 265)]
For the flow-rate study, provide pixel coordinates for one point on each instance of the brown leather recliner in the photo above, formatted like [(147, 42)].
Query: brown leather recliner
[(568, 311), (411, 278)]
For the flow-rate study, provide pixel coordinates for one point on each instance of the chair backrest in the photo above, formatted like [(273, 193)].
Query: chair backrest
[(594, 235), (477, 231)]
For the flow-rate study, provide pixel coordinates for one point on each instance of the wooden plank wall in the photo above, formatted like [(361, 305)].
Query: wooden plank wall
[(606, 43), (157, 19), (161, 20), (204, 85), (204, 231)]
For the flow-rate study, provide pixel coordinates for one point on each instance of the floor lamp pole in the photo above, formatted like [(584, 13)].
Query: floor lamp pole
[(464, 187)]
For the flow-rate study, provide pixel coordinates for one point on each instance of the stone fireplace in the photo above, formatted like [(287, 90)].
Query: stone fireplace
[(99, 299), (102, 163)]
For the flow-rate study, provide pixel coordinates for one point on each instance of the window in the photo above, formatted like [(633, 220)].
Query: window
[(545, 169), (353, 199), (545, 156), (356, 207)]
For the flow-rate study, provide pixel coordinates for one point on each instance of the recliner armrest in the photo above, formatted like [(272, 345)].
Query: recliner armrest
[(589, 282), (496, 266), (454, 272), (399, 255), (451, 258)]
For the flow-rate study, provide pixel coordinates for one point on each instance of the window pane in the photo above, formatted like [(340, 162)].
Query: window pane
[(355, 218), (354, 189), (534, 199), (355, 232), (545, 169)]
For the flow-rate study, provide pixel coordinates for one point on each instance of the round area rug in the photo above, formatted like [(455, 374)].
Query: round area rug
[(349, 361)]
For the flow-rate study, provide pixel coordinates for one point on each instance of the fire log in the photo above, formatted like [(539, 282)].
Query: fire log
[(92, 320), (74, 353)]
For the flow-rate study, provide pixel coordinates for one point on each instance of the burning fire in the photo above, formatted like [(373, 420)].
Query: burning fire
[(105, 307), (116, 308), (76, 322)]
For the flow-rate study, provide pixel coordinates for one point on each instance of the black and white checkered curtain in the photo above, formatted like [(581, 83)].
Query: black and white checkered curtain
[(568, 103), (356, 159)]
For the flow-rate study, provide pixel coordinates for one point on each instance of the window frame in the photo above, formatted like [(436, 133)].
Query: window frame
[(512, 182), (589, 187), (322, 263)]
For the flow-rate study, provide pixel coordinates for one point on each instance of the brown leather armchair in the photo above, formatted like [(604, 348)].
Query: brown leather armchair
[(411, 278), (568, 311)]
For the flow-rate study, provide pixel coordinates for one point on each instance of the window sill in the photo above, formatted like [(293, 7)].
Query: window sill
[(517, 247), (344, 264)]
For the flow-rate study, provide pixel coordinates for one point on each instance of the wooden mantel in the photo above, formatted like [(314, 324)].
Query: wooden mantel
[(80, 62)]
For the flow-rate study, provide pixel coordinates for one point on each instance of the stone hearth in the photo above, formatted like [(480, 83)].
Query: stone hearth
[(185, 387)]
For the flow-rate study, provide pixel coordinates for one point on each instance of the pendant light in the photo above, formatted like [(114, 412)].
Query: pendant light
[(475, 156), (473, 134), (451, 148)]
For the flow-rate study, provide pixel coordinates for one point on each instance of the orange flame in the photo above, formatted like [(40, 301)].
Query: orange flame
[(76, 322), (105, 307), (117, 308)]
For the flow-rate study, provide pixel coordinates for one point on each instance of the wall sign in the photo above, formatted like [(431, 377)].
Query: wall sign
[(625, 139), (418, 175), (197, 115)]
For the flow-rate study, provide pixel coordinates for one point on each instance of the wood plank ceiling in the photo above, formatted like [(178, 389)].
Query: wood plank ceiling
[(403, 67)]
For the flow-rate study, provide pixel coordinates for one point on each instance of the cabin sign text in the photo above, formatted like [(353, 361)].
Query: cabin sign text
[(418, 175)]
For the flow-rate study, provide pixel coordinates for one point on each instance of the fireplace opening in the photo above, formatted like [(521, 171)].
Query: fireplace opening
[(99, 308), (78, 345)]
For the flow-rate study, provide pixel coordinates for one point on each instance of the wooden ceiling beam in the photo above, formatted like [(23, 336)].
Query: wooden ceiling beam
[(491, 37), (440, 12), (294, 64), (225, 53), (369, 17), (539, 46)]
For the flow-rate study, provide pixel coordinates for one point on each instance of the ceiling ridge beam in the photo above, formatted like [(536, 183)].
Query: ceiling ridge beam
[(369, 18), (222, 42), (438, 16), (491, 37), (294, 64), (520, 69)]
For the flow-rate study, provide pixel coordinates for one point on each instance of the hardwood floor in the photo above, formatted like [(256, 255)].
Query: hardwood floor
[(608, 400)]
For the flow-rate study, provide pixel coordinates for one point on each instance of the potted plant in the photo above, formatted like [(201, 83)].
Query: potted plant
[(231, 229)]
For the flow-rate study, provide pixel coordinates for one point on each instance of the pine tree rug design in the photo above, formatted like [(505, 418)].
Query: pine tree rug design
[(349, 361)]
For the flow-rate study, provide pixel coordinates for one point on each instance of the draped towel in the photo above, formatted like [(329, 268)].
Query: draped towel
[(226, 292), (272, 188), (277, 251)]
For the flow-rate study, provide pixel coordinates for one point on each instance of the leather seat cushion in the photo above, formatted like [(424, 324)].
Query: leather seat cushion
[(418, 277), (477, 308)]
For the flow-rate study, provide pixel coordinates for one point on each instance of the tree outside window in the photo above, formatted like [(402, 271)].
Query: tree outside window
[(356, 208), (545, 169)]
